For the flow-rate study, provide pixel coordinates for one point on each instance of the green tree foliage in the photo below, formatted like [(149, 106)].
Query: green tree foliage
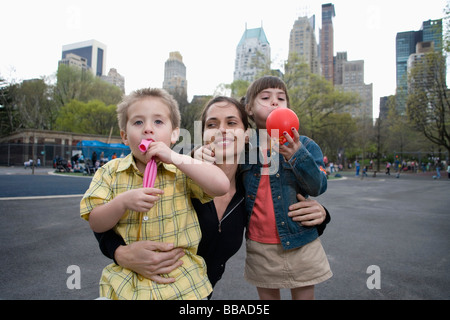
[(78, 102), (75, 83), (93, 117), (428, 104), (192, 112), (238, 88), (320, 107), (9, 120), (338, 135), (36, 109), (314, 98)]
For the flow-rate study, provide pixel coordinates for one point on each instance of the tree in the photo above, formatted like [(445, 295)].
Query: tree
[(191, 113), (36, 109), (312, 96), (94, 117), (316, 101), (338, 139), (238, 88), (428, 104), (82, 85), (8, 111)]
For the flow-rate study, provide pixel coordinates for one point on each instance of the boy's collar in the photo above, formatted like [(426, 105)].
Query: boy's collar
[(129, 161)]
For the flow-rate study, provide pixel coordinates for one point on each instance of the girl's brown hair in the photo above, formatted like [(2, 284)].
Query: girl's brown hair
[(259, 85)]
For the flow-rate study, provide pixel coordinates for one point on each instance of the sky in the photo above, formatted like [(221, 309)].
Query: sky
[(140, 34)]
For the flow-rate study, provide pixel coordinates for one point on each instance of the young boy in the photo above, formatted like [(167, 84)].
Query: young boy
[(164, 213)]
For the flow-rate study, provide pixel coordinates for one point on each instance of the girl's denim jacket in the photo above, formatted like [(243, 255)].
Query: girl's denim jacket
[(301, 174)]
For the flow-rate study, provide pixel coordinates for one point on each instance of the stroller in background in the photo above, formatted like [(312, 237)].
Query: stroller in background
[(89, 167), (62, 165)]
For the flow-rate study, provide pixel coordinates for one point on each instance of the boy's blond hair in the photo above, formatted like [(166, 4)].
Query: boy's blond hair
[(127, 101)]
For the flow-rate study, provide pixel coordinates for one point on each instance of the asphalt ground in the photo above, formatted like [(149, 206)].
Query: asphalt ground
[(388, 240)]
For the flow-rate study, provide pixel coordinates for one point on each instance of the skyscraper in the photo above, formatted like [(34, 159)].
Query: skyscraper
[(405, 46), (350, 78), (92, 50), (72, 59), (327, 41), (430, 31), (175, 74), (302, 41), (115, 78), (252, 54), (406, 42)]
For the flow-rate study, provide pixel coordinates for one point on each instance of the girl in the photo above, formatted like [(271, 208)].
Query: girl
[(280, 252)]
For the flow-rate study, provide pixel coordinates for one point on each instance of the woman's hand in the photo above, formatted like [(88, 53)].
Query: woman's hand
[(205, 153), (308, 212), (150, 259)]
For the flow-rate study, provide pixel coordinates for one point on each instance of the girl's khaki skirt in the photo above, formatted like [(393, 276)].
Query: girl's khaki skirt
[(270, 266)]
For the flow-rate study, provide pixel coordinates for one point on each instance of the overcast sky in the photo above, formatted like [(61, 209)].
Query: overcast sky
[(140, 34)]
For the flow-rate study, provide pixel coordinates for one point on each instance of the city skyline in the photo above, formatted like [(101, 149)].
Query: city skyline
[(207, 38)]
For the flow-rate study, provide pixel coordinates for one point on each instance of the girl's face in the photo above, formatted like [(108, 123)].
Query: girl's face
[(265, 102), (224, 131)]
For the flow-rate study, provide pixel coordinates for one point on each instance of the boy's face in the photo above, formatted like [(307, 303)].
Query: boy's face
[(148, 118), (265, 102)]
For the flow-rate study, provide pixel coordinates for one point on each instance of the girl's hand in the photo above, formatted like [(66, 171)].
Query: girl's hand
[(294, 144), (205, 153)]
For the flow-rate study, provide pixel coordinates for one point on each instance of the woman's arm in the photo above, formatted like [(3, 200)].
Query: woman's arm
[(108, 242)]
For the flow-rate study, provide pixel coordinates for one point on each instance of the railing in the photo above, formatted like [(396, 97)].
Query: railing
[(18, 154)]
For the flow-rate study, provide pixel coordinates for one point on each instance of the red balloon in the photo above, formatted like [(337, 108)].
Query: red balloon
[(282, 119)]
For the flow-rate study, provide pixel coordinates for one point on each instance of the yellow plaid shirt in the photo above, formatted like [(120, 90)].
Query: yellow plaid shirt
[(171, 220)]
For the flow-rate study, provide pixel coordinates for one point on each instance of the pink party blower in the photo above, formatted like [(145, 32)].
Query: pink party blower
[(150, 169)]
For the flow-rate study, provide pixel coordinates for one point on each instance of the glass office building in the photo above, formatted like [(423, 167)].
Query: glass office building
[(406, 42), (93, 51)]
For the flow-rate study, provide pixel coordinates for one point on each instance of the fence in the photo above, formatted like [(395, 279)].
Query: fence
[(16, 154)]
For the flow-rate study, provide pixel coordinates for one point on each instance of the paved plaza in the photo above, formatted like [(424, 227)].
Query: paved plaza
[(388, 240)]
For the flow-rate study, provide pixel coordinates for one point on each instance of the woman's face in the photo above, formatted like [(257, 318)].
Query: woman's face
[(224, 131)]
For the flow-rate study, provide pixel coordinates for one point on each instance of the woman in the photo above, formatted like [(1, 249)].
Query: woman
[(223, 220)]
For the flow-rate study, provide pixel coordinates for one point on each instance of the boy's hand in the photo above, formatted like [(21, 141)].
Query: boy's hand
[(104, 217), (160, 152), (142, 199), (294, 144)]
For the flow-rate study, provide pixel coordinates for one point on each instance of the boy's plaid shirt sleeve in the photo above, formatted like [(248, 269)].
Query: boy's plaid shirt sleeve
[(99, 192)]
